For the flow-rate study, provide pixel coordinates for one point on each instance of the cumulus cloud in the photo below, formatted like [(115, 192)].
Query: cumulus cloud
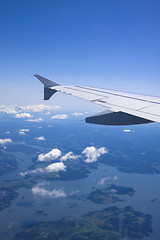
[(39, 190), (126, 130), (55, 167), (4, 141), (8, 109), (92, 153), (61, 116), (114, 190), (35, 120), (37, 170), (23, 131), (38, 108), (103, 180), (76, 114), (115, 178), (8, 132), (22, 111), (52, 155), (69, 155), (40, 138), (23, 115)]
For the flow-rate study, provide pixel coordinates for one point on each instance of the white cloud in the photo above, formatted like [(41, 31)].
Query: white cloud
[(103, 180), (49, 125), (38, 108), (48, 113), (92, 153), (69, 155), (37, 170), (35, 120), (74, 193), (40, 138), (8, 109), (38, 190), (8, 132), (52, 155), (23, 131), (20, 111), (115, 178), (61, 116), (114, 190), (4, 141), (23, 174), (55, 167), (126, 130), (23, 115), (76, 114)]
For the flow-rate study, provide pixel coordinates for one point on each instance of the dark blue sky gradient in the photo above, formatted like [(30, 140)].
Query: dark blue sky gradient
[(111, 44)]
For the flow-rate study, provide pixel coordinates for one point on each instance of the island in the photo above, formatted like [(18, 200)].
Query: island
[(8, 190), (109, 223), (8, 163), (110, 194), (75, 170), (124, 161), (7, 195)]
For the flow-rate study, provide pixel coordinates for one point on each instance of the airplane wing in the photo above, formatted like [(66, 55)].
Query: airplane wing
[(123, 108)]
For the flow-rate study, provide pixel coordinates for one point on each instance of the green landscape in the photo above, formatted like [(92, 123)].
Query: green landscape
[(110, 194), (8, 163), (110, 224)]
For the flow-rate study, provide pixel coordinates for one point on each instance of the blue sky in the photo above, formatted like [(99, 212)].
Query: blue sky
[(111, 44)]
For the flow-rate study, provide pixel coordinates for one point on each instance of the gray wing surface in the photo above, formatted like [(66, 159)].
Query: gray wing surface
[(123, 108)]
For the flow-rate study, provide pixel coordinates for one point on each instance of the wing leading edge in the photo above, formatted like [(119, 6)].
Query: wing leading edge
[(124, 108)]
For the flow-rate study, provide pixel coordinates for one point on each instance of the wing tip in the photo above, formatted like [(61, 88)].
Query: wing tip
[(46, 81)]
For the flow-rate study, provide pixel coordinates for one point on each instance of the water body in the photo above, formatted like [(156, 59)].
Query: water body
[(24, 208), (29, 207)]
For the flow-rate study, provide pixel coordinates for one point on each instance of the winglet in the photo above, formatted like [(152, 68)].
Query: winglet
[(48, 92), (46, 82)]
